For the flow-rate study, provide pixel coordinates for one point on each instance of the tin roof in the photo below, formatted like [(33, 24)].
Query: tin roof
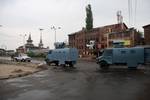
[(146, 26), (97, 28)]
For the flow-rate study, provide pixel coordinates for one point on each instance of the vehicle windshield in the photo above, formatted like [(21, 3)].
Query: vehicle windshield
[(107, 52)]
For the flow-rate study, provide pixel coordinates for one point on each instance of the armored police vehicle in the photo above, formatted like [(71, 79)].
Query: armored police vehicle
[(62, 56), (131, 57)]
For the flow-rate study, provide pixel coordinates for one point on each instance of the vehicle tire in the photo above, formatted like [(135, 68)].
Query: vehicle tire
[(70, 64), (56, 63), (29, 60), (104, 65), (16, 60), (48, 63), (64, 65), (132, 68)]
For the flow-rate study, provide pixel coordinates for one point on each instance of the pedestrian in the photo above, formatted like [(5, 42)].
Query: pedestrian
[(12, 57)]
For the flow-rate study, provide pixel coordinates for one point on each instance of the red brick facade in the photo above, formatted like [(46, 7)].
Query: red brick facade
[(99, 35), (147, 34)]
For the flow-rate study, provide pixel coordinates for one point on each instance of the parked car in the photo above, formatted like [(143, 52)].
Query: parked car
[(22, 58)]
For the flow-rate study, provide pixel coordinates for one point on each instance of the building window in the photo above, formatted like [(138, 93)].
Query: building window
[(126, 35)]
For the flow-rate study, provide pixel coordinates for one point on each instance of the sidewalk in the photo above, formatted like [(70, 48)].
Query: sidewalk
[(90, 59), (9, 69)]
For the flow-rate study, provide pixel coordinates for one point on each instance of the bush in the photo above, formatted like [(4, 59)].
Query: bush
[(32, 54)]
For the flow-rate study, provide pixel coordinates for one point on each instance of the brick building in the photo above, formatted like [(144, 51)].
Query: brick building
[(99, 35), (128, 38), (147, 34)]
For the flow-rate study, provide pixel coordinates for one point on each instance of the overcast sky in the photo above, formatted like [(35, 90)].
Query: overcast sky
[(27, 16)]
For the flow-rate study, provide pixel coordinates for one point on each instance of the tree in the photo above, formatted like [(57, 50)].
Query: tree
[(89, 17), (140, 38)]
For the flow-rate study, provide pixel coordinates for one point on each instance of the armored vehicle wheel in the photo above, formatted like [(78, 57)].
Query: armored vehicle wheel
[(56, 63), (48, 63), (104, 65), (71, 65), (132, 68)]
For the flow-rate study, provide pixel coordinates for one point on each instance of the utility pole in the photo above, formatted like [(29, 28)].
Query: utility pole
[(55, 28), (41, 32), (132, 10)]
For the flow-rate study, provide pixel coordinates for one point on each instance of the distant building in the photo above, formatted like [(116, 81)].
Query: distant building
[(29, 46), (147, 34), (10, 52), (21, 49), (2, 52)]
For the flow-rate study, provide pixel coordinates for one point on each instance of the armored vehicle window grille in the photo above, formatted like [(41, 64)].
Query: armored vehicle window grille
[(108, 52), (123, 52), (50, 52), (132, 51)]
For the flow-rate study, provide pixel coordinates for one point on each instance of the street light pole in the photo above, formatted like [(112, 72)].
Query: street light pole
[(55, 28), (41, 32), (55, 34)]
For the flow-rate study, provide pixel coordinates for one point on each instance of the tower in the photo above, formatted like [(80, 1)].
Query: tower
[(41, 43), (119, 17), (29, 41), (29, 44)]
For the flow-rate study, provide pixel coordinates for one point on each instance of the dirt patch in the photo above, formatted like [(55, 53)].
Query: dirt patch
[(15, 69)]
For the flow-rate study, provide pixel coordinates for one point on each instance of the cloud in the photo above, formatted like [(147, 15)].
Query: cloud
[(24, 16)]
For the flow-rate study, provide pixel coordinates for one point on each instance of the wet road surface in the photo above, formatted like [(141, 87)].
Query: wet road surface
[(86, 82)]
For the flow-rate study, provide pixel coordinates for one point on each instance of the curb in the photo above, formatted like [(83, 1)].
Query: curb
[(89, 60)]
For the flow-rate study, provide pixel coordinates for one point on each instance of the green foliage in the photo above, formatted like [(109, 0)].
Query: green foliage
[(89, 17), (140, 38), (40, 55), (31, 54), (140, 33)]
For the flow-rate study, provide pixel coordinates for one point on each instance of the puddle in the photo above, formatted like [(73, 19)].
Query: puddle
[(38, 75), (34, 95), (15, 80), (20, 85)]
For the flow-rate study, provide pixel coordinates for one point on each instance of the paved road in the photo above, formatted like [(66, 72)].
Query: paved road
[(86, 82)]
